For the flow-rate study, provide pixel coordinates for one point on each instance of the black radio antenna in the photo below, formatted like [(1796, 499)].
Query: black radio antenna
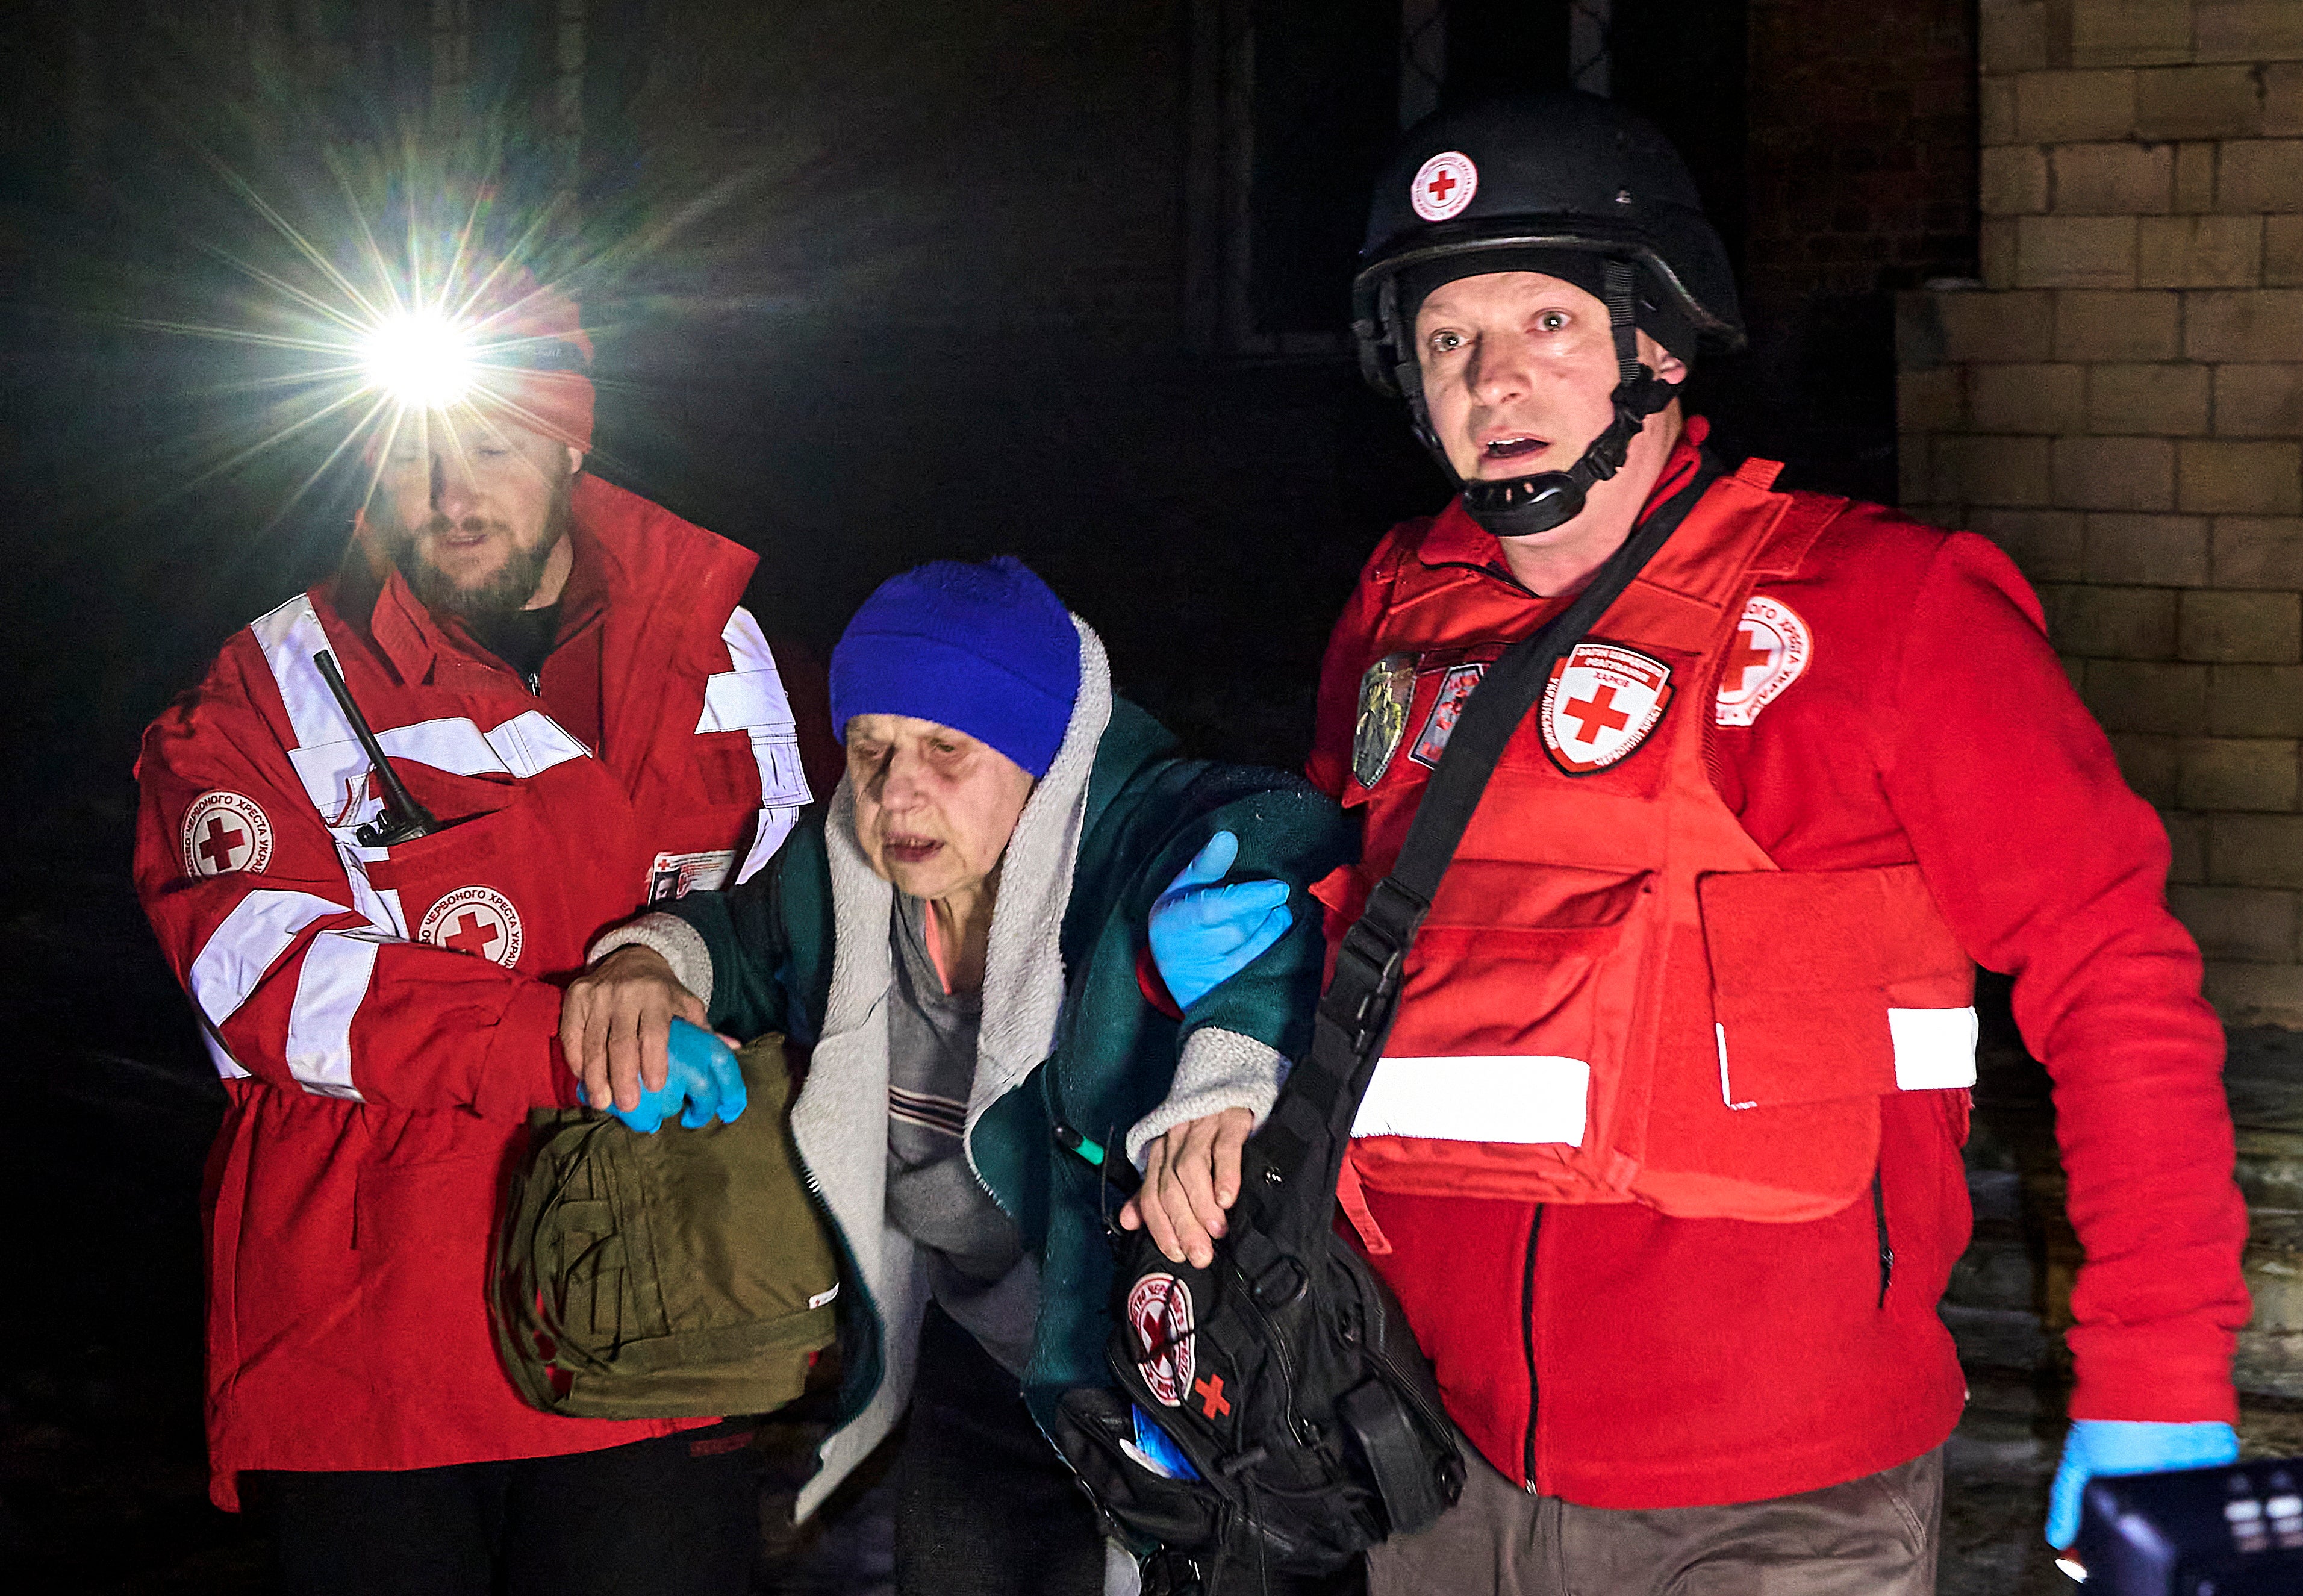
[(403, 819)]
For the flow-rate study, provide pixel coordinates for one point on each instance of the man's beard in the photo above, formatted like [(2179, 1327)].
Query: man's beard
[(506, 592)]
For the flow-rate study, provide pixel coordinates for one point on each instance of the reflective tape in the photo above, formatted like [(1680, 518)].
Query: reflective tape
[(1934, 1048), (526, 744), (1935, 1052), (338, 968), (226, 1065), (739, 700), (750, 699), (747, 644), (249, 941), (1521, 1098), (379, 908), (289, 636), (774, 826), (335, 771)]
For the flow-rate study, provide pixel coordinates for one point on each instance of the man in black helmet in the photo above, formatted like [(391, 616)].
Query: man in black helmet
[(1662, 1156)]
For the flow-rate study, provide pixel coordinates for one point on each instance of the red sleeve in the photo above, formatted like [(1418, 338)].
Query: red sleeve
[(2050, 869), (1336, 712), (295, 968)]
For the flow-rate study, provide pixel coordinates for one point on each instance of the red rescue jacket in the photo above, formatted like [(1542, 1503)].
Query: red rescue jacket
[(1903, 760), (385, 1018)]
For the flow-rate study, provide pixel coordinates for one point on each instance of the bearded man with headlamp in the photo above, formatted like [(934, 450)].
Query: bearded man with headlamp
[(1662, 1156), (566, 678)]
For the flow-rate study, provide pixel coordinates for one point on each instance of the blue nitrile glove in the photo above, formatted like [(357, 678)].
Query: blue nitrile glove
[(1202, 935), (2098, 1446), (701, 1073)]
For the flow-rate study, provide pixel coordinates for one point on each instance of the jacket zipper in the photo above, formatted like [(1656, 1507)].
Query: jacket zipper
[(1438, 1424), (1886, 1253), (967, 1157), (1527, 1341), (1278, 1345)]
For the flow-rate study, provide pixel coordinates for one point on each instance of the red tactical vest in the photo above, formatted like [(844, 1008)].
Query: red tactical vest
[(1618, 996)]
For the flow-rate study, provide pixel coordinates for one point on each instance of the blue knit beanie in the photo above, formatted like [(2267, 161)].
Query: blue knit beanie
[(985, 649)]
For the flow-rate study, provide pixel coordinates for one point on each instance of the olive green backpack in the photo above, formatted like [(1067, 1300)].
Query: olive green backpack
[(682, 1274)]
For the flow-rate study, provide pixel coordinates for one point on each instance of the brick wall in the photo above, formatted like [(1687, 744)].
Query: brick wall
[(1861, 182), (1862, 148), (2120, 405)]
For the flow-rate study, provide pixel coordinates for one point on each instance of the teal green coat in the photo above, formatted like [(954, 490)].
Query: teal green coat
[(1145, 814)]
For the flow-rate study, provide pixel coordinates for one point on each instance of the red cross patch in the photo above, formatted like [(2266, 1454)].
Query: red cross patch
[(1600, 704), (1444, 185), (224, 831), (1770, 651), (477, 920), (1160, 1313)]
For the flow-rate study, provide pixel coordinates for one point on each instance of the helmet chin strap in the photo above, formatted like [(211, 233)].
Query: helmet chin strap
[(1519, 506)]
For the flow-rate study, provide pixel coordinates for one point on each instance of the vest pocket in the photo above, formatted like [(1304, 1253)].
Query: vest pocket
[(1511, 991), (1831, 984)]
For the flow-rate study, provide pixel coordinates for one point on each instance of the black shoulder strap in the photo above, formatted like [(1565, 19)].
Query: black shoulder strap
[(1294, 1160)]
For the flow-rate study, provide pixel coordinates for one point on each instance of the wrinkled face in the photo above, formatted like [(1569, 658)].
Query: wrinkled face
[(471, 512), (935, 808), (1518, 371)]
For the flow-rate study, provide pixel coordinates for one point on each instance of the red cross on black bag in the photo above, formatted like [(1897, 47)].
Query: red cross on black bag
[(1285, 1375)]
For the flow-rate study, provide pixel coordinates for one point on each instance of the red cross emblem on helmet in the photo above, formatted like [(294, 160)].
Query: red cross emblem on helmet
[(1444, 185), (1600, 704), (474, 920)]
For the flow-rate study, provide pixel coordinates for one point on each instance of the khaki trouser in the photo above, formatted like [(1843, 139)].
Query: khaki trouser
[(1876, 1536)]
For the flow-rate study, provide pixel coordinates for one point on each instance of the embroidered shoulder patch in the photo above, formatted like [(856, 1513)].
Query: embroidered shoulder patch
[(224, 831), (1447, 709), (1160, 1312), (1599, 706), (1386, 691), (1771, 649), (474, 920)]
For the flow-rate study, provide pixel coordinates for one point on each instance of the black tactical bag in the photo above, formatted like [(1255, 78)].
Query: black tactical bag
[(683, 1274), (1285, 1373)]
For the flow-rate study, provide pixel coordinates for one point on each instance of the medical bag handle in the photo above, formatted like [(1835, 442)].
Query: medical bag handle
[(1310, 1123)]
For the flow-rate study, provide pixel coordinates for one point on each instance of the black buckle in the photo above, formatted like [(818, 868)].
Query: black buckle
[(1371, 959)]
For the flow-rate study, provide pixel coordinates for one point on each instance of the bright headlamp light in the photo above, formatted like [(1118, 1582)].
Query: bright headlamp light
[(421, 360)]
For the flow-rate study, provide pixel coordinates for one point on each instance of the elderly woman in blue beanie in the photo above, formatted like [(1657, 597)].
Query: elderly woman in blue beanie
[(963, 938)]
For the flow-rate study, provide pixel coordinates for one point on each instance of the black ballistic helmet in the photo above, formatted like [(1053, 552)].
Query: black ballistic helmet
[(1565, 183)]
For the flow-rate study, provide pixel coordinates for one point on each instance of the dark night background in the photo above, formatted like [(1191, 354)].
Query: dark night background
[(870, 283)]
